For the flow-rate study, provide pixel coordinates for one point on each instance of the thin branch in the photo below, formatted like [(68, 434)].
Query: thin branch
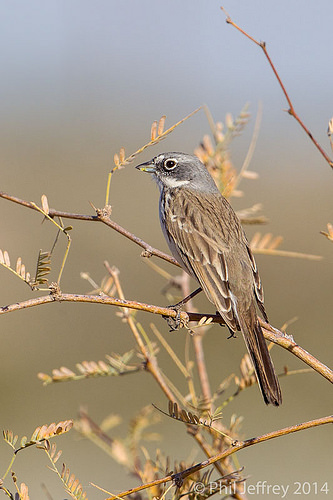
[(150, 360), (198, 347), (285, 253), (148, 250), (270, 333), (291, 109), (157, 135), (236, 446), (60, 228), (252, 147), (97, 299), (287, 342), (225, 467), (102, 216)]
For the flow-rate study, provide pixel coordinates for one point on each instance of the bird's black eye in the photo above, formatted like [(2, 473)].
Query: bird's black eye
[(170, 164)]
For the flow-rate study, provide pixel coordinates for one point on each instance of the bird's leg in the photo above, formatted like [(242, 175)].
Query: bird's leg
[(174, 323), (186, 299)]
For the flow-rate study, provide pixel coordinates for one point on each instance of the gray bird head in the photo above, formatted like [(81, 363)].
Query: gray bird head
[(174, 170)]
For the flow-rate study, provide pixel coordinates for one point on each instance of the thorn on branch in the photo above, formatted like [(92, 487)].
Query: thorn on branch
[(55, 291), (103, 213), (146, 253)]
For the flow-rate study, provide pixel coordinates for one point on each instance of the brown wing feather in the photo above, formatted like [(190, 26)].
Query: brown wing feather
[(205, 248)]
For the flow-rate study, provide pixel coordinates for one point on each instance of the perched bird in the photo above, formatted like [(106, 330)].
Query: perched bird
[(206, 237)]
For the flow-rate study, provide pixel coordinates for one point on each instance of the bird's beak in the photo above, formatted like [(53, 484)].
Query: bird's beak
[(147, 167)]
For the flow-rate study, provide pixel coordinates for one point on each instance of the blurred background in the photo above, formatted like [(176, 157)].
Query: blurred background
[(80, 79)]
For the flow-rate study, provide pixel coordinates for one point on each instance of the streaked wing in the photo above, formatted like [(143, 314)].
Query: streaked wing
[(210, 277), (205, 247)]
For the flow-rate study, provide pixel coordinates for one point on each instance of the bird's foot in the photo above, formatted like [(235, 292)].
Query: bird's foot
[(174, 323)]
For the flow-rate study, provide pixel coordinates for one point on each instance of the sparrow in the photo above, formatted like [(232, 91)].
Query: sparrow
[(206, 237)]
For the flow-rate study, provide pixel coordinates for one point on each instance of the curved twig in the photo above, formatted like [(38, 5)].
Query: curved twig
[(270, 333), (102, 216), (287, 342), (291, 109), (236, 446)]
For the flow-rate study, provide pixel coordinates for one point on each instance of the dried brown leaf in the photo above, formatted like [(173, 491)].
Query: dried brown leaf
[(157, 138), (52, 450), (116, 160), (103, 366), (24, 493), (196, 419), (202, 320), (208, 146), (249, 174), (237, 193), (47, 445), (161, 125), (6, 258), (265, 240), (170, 408), (153, 130), (70, 481), (45, 204), (175, 410), (66, 475), (184, 416), (42, 433), (229, 120), (329, 234), (275, 243), (49, 431), (67, 372), (80, 368), (122, 154), (18, 265), (110, 422), (63, 471), (44, 377), (120, 453), (330, 128), (22, 273), (75, 485)]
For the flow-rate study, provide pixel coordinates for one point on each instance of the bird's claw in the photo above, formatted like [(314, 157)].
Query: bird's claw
[(232, 333), (174, 323)]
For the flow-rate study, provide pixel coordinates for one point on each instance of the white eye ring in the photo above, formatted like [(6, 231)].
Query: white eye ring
[(170, 164)]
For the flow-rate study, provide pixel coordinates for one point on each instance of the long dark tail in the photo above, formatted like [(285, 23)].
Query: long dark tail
[(261, 359)]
